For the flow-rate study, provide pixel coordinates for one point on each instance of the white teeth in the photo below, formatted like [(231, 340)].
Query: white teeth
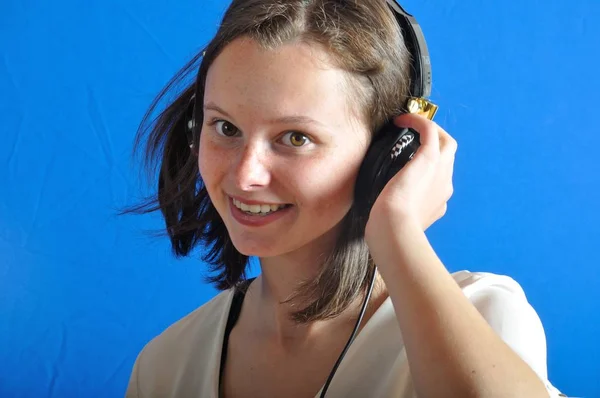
[(255, 209), (262, 209)]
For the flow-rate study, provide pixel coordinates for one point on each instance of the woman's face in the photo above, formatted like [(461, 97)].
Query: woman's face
[(280, 146)]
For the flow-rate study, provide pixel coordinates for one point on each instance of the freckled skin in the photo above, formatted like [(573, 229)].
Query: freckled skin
[(255, 86)]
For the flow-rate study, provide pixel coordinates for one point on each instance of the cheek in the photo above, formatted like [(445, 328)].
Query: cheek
[(211, 167), (203, 166), (207, 155), (329, 186)]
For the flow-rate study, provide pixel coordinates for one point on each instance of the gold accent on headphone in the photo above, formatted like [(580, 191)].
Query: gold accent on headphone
[(422, 107)]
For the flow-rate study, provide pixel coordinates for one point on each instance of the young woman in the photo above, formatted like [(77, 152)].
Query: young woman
[(287, 98)]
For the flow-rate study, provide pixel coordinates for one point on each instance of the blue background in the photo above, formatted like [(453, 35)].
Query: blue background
[(82, 290)]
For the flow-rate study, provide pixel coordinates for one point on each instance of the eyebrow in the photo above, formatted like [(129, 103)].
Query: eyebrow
[(280, 120)]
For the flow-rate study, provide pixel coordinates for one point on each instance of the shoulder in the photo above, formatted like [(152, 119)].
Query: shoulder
[(471, 282), (502, 302), (203, 322), (190, 345)]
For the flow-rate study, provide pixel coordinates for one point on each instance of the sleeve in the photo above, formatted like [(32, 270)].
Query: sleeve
[(503, 304)]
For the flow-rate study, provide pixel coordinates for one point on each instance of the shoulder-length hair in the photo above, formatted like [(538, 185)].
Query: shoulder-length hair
[(363, 39)]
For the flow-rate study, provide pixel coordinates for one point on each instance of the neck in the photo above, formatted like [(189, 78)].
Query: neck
[(280, 277), (271, 313)]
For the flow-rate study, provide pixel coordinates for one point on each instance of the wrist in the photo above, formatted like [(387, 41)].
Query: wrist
[(390, 223), (386, 231), (400, 249)]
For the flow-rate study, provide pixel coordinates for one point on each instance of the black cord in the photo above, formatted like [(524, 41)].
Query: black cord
[(353, 335)]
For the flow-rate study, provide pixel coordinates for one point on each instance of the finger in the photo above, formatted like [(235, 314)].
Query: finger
[(427, 129), (447, 143), (443, 210)]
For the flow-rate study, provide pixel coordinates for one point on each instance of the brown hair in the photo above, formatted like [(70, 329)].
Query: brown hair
[(363, 39)]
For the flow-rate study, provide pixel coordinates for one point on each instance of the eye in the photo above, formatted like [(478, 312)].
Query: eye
[(296, 139), (225, 128)]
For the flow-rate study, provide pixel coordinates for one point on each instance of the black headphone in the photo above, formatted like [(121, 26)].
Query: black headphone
[(392, 146)]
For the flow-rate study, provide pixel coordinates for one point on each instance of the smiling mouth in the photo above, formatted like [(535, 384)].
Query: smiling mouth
[(258, 209)]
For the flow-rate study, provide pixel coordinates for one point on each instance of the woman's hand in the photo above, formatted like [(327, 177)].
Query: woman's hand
[(419, 192)]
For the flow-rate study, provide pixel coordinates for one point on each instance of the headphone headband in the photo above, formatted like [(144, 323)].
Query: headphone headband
[(420, 85)]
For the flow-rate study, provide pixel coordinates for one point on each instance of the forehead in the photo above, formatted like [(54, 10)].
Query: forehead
[(292, 79)]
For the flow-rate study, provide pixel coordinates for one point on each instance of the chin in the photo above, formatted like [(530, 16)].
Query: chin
[(255, 250), (249, 245)]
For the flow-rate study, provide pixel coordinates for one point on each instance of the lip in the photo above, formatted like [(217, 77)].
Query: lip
[(253, 202), (256, 221)]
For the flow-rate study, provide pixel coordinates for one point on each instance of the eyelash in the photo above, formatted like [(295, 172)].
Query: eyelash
[(213, 123)]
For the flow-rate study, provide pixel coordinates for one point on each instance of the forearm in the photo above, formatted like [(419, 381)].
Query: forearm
[(451, 349)]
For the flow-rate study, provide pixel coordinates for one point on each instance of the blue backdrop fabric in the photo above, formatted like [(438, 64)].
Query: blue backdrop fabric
[(82, 290)]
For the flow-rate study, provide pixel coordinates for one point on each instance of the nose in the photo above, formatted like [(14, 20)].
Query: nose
[(251, 170)]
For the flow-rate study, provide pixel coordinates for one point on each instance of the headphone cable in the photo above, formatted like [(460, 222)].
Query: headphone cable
[(353, 335)]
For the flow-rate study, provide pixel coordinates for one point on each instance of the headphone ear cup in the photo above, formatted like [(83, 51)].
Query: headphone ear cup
[(403, 150), (189, 133), (190, 123), (390, 150)]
